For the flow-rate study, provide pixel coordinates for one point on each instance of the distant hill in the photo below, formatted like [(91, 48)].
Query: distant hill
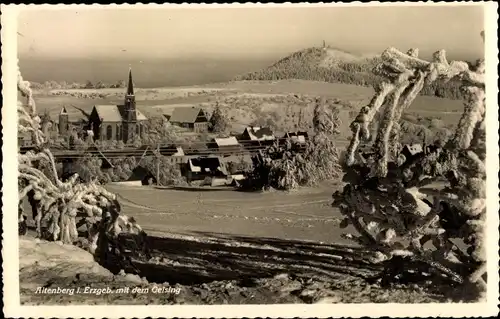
[(337, 66)]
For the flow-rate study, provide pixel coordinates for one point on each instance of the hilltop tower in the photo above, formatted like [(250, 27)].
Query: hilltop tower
[(129, 110), (63, 122)]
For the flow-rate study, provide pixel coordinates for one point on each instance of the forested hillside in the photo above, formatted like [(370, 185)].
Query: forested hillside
[(336, 66)]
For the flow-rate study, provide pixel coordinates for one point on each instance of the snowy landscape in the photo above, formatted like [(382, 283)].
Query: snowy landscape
[(326, 176)]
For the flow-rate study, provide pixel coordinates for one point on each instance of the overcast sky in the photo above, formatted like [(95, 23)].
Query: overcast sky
[(247, 33)]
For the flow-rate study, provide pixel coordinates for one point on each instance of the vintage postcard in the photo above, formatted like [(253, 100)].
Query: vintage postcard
[(250, 160)]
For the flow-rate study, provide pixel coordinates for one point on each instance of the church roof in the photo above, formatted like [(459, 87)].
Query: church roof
[(115, 113), (109, 113), (140, 116), (185, 114)]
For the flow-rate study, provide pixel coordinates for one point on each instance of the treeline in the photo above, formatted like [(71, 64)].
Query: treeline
[(61, 85), (308, 65)]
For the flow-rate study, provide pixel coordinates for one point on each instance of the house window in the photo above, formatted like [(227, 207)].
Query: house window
[(138, 130), (118, 132), (109, 132)]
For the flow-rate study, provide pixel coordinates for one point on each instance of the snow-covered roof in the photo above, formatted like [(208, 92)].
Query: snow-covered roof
[(257, 133), (109, 113), (116, 113), (187, 115), (227, 141)]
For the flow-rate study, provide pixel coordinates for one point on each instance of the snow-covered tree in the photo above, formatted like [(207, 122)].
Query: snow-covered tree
[(219, 123), (63, 204), (399, 199)]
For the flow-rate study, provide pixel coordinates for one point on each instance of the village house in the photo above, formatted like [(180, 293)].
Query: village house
[(226, 145), (254, 136), (174, 153), (256, 133), (300, 137), (202, 167), (118, 122), (192, 118)]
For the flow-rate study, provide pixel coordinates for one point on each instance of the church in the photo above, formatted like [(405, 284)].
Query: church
[(118, 122)]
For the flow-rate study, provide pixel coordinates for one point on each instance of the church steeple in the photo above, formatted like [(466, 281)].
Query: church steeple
[(130, 97), (130, 100), (129, 112), (130, 87)]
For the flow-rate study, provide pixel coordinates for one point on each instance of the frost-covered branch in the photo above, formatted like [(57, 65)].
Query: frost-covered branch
[(397, 201)]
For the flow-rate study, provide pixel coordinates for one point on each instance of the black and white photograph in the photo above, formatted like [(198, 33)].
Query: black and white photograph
[(321, 155)]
